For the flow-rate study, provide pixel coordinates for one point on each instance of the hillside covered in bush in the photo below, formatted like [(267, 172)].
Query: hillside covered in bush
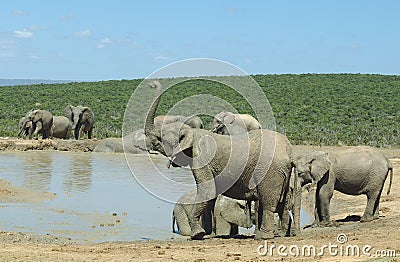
[(312, 109)]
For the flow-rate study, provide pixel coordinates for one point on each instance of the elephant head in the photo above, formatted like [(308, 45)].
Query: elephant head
[(24, 127), (312, 167), (40, 120), (80, 117), (222, 121), (228, 123)]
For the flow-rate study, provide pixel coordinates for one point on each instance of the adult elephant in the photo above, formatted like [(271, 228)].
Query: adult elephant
[(82, 119), (42, 122), (353, 171), (61, 127), (228, 123), (219, 166), (192, 121), (24, 128), (134, 143)]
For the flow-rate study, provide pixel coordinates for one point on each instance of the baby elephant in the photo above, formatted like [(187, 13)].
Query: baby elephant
[(221, 218), (354, 171)]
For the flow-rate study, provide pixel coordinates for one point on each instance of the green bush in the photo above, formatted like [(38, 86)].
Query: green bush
[(312, 109)]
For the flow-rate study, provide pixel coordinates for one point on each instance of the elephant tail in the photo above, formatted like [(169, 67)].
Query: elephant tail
[(390, 169)]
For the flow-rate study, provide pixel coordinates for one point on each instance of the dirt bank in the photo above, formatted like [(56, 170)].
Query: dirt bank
[(373, 239), (86, 145)]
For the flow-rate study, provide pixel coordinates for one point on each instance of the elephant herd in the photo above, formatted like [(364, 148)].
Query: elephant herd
[(78, 119), (245, 175)]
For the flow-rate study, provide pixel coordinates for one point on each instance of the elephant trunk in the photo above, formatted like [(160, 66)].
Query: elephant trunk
[(149, 123)]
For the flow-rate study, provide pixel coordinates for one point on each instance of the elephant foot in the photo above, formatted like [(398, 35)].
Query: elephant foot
[(262, 235), (198, 233), (367, 218)]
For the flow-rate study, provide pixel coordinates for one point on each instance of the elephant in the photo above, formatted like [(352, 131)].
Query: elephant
[(42, 122), (230, 214), (181, 213), (355, 171), (82, 119), (219, 166), (220, 218), (228, 123), (24, 129), (61, 127), (134, 143), (193, 121)]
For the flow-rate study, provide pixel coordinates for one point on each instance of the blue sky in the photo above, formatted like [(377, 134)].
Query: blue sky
[(121, 39)]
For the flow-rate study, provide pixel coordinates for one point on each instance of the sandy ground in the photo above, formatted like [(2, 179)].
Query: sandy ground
[(376, 241)]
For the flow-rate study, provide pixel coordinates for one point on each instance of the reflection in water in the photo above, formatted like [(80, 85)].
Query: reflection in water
[(78, 176), (37, 170)]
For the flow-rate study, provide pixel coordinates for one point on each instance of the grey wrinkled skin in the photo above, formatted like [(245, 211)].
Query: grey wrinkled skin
[(220, 165), (354, 171), (134, 143), (193, 121), (41, 121), (220, 219), (82, 119), (24, 128), (181, 213), (230, 214), (61, 127), (228, 123)]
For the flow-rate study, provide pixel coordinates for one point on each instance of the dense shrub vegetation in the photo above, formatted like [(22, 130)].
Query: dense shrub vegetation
[(316, 109)]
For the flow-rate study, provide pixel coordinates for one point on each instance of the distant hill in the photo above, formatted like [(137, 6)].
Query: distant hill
[(21, 82)]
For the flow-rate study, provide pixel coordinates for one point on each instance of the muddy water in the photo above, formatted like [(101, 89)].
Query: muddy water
[(99, 197)]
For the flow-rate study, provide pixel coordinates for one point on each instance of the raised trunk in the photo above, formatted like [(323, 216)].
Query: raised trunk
[(149, 124)]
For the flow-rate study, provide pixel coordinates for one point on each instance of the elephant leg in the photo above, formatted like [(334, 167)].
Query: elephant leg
[(90, 133), (208, 218), (285, 222), (234, 230), (197, 231), (266, 221), (82, 131), (372, 209), (322, 200), (76, 132), (180, 216), (39, 127)]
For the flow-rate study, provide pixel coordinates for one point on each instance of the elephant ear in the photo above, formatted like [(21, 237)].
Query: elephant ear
[(68, 112), (229, 118), (320, 165), (186, 140), (87, 112), (36, 115)]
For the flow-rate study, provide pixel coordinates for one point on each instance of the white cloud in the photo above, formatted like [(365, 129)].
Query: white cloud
[(161, 58), (66, 17), (85, 33), (35, 57), (20, 13), (23, 34), (104, 42)]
